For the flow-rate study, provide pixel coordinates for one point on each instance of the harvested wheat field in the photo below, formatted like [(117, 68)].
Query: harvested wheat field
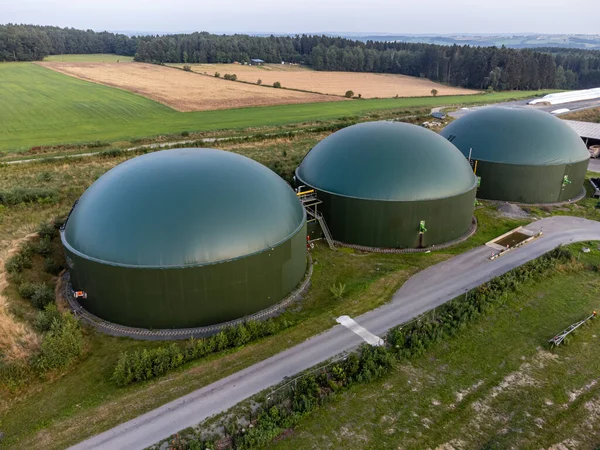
[(183, 91), (369, 85)]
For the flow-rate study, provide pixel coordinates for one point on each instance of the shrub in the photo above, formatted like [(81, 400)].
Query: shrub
[(51, 266), (217, 74), (259, 81), (185, 133), (44, 319), (44, 176), (42, 247), (434, 92), (39, 294), (349, 94), (61, 344), (47, 230), (230, 76), (338, 290), (187, 67), (16, 263), (277, 84)]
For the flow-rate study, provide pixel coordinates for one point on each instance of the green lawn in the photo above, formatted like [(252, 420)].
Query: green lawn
[(497, 385), (41, 107), (93, 57)]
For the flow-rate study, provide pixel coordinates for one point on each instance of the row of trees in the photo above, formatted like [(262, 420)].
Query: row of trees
[(465, 66)]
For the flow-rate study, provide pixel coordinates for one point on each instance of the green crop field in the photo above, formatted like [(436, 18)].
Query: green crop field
[(41, 107), (93, 57)]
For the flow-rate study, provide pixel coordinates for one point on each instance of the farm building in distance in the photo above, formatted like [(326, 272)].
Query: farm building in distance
[(521, 154), (256, 62), (185, 238), (390, 185)]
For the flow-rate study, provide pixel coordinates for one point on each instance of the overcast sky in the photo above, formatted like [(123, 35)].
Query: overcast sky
[(284, 16)]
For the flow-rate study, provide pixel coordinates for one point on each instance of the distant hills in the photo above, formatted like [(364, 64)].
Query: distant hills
[(582, 41)]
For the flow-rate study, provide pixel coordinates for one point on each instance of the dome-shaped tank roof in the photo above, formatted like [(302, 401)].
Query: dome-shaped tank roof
[(391, 161), (516, 135), (183, 207)]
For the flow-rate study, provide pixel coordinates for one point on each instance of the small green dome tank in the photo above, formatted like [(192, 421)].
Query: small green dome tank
[(387, 161), (185, 238), (516, 135), (380, 180), (522, 154)]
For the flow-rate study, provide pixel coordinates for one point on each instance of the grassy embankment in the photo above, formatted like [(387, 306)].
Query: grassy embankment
[(39, 107), (496, 385), (80, 401), (586, 115)]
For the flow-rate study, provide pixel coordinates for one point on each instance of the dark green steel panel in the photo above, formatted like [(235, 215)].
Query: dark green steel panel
[(192, 296), (516, 135), (530, 184), (183, 207), (389, 224), (387, 161)]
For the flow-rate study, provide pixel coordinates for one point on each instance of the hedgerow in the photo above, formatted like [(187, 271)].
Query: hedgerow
[(311, 390), (142, 365)]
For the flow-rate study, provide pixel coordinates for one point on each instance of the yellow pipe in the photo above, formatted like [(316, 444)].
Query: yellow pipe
[(475, 168), (305, 192)]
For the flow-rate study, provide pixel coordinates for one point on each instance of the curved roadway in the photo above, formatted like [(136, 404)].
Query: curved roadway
[(422, 292)]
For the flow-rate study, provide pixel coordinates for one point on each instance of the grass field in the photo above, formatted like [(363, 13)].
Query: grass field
[(369, 85), (495, 386), (41, 107), (181, 90), (93, 57)]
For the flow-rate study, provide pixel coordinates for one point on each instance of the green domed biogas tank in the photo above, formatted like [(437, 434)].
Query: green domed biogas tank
[(185, 238), (523, 154), (379, 180)]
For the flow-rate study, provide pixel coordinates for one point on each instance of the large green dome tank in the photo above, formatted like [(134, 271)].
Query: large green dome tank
[(185, 238), (522, 154), (379, 180)]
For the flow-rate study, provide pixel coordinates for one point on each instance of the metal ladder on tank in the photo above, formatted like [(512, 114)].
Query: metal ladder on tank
[(310, 201)]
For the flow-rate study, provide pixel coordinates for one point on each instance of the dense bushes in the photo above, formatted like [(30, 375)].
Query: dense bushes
[(39, 294), (27, 195), (230, 76), (145, 364), (284, 407), (61, 344)]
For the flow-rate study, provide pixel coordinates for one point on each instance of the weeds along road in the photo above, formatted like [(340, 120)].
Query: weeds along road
[(423, 292)]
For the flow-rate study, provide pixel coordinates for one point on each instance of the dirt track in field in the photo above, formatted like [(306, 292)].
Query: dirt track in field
[(369, 85), (183, 91)]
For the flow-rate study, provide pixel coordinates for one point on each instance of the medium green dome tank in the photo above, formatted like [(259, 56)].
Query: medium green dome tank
[(522, 154), (185, 238), (379, 180)]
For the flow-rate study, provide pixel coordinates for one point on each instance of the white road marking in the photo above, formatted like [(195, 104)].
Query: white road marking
[(365, 334)]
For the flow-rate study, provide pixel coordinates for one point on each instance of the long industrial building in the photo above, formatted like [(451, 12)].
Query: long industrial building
[(390, 185), (185, 238), (521, 154)]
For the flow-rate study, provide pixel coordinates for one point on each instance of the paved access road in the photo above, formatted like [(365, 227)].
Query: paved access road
[(422, 292)]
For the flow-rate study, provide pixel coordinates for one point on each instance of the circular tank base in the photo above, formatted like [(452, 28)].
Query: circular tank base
[(470, 232), (114, 329)]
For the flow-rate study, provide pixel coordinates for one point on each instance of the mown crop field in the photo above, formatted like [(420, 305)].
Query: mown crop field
[(39, 107), (181, 90), (89, 58), (369, 85)]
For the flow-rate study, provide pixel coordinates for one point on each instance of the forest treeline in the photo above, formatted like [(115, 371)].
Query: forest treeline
[(464, 66)]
